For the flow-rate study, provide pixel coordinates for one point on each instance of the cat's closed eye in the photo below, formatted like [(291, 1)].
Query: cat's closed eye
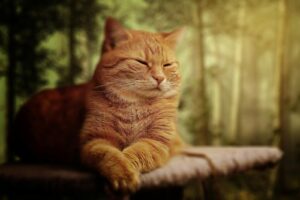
[(168, 64), (142, 62)]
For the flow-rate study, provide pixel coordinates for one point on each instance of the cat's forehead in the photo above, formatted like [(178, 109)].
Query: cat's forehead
[(146, 39), (150, 46)]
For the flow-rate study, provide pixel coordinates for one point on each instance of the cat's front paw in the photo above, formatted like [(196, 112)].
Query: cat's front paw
[(122, 176), (126, 180)]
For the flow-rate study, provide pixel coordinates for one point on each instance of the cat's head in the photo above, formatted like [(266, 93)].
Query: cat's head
[(136, 64)]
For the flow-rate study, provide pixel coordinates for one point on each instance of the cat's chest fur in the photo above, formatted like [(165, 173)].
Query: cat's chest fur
[(133, 120), (127, 123)]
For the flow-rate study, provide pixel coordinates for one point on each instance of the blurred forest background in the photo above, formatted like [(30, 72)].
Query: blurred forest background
[(239, 62)]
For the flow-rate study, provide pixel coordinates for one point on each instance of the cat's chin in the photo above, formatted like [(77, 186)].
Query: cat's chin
[(157, 93), (137, 95)]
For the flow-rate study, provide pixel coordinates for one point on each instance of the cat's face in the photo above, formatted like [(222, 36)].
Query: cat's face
[(138, 64)]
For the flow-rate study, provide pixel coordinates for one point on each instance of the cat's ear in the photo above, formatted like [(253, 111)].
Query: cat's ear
[(173, 38), (115, 33)]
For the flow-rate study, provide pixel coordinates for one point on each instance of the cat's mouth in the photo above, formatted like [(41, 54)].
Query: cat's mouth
[(157, 88), (154, 89)]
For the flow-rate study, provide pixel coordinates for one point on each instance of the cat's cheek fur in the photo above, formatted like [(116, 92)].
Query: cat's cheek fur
[(170, 93), (165, 86)]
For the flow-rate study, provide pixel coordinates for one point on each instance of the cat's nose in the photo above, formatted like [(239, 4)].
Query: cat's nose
[(159, 78)]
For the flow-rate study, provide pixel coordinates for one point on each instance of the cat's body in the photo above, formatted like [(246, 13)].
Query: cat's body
[(129, 110), (48, 125)]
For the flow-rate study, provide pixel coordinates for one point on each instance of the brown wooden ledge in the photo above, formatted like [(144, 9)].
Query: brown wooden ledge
[(197, 163)]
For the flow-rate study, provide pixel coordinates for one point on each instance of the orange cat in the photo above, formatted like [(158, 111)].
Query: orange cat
[(129, 110), (130, 126)]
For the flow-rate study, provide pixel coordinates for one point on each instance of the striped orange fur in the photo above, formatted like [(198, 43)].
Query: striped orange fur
[(130, 124)]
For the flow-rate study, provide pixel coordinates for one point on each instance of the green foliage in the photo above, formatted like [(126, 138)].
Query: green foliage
[(29, 27)]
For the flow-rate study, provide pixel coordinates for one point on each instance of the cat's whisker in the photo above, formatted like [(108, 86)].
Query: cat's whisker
[(104, 85)]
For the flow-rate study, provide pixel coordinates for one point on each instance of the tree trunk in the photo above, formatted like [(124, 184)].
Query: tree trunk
[(90, 60), (10, 79), (72, 40), (237, 72), (200, 111), (281, 120), (216, 98), (216, 123)]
